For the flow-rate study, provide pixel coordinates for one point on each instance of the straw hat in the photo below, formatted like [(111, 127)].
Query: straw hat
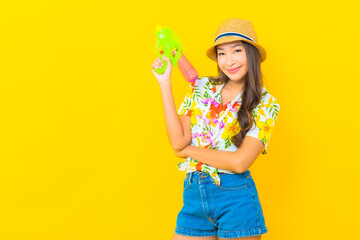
[(234, 29)]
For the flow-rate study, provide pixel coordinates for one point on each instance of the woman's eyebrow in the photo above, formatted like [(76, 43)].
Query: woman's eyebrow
[(231, 46)]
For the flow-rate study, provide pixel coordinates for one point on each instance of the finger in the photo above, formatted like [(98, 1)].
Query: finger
[(157, 66), (153, 70), (157, 60), (153, 67), (160, 62), (166, 58)]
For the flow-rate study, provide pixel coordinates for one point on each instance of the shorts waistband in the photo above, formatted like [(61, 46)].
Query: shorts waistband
[(246, 173), (203, 175)]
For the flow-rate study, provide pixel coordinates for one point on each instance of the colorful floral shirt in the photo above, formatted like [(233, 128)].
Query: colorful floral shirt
[(213, 123)]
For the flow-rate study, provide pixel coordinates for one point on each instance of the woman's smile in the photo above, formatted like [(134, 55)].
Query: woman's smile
[(233, 70)]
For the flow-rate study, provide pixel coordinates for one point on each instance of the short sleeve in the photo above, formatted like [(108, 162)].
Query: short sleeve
[(265, 116), (185, 107)]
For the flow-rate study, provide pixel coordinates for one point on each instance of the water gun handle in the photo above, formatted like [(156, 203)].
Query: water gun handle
[(163, 68)]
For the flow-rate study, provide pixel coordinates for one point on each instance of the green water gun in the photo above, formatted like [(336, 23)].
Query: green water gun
[(169, 45)]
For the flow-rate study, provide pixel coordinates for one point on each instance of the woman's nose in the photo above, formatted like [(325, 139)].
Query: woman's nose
[(230, 60)]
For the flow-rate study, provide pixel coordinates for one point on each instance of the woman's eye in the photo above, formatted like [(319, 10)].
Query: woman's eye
[(238, 50), (220, 54)]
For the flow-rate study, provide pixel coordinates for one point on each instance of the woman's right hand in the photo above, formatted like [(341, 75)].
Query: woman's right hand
[(166, 76)]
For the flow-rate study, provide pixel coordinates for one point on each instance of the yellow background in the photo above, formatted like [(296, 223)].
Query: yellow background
[(83, 145)]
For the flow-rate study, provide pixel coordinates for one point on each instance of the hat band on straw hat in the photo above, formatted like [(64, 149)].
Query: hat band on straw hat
[(227, 34)]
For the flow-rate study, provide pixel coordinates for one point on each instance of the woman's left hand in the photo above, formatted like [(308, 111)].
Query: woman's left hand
[(181, 153)]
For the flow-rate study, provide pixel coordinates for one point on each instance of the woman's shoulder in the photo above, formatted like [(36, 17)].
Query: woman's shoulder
[(268, 99), (200, 81), (205, 83)]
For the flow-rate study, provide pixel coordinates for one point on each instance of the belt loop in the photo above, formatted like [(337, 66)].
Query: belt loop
[(247, 174), (190, 177)]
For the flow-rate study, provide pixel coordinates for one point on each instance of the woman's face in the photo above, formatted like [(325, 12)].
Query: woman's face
[(232, 60)]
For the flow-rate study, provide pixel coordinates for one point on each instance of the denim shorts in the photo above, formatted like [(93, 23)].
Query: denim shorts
[(231, 210)]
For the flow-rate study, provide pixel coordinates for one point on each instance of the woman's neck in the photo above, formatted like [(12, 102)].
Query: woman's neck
[(234, 87)]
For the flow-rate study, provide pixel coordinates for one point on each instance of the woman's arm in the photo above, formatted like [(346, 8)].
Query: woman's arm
[(178, 130), (238, 161)]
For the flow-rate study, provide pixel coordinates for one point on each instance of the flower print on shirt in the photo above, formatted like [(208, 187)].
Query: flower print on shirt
[(231, 130), (200, 94), (215, 110), (186, 105), (206, 137)]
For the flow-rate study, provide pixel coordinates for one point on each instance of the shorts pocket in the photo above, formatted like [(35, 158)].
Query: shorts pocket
[(231, 182)]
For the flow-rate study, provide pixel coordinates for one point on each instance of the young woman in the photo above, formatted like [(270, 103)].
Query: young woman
[(221, 127)]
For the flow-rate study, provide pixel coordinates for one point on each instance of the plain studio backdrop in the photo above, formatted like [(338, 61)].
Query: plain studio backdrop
[(83, 145)]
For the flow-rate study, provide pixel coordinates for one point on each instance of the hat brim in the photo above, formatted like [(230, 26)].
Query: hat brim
[(212, 54)]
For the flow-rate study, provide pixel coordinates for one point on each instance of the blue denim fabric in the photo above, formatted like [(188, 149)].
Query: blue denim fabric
[(231, 210)]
